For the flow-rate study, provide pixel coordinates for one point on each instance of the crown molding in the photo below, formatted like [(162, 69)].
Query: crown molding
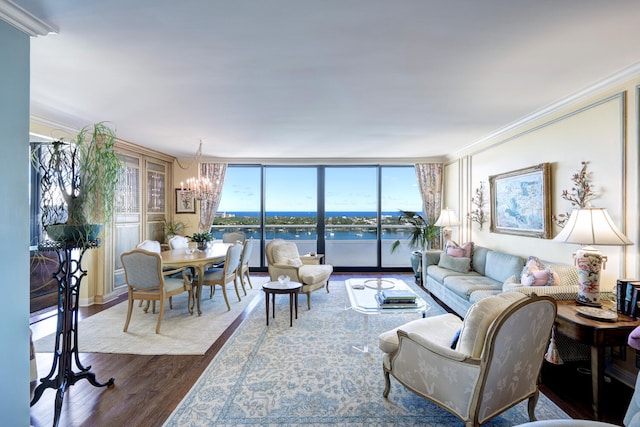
[(23, 20), (615, 79)]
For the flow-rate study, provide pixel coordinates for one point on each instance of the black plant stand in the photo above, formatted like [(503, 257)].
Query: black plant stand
[(69, 276)]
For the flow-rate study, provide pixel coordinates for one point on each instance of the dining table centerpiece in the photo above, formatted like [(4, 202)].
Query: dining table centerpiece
[(202, 240)]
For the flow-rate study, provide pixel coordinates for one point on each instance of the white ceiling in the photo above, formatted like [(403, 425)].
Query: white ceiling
[(342, 79)]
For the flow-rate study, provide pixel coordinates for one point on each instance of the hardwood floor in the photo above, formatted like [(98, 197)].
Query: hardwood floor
[(148, 388)]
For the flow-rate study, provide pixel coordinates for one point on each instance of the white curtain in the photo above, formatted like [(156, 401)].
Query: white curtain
[(215, 172), (430, 183)]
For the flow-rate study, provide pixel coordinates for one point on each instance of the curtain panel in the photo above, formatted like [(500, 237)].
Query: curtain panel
[(215, 173), (430, 184)]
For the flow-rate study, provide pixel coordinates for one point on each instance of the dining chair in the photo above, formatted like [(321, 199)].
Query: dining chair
[(146, 281), (234, 237), (221, 276), (150, 245), (177, 242), (244, 263)]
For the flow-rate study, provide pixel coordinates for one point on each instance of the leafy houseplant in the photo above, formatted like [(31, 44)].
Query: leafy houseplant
[(201, 239), (78, 183), (172, 228), (422, 236)]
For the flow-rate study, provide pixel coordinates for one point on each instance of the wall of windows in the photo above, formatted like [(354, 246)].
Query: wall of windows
[(349, 213)]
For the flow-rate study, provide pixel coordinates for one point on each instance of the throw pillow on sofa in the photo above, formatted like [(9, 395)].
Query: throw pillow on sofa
[(464, 250), (459, 264), (460, 251), (535, 273)]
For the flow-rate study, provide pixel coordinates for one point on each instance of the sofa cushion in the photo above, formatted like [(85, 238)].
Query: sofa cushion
[(567, 273), (459, 264), (479, 318), (464, 286), (439, 274), (479, 259), (500, 266)]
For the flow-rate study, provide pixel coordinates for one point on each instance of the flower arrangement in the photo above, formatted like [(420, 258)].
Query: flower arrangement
[(580, 196), (201, 237), (478, 201)]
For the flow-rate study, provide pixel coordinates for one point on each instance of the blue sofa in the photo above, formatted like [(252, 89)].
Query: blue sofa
[(492, 272)]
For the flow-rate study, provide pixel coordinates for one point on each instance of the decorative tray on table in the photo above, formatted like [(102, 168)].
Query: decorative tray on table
[(379, 284), (597, 314)]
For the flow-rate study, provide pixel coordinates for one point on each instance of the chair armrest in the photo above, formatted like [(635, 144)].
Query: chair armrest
[(435, 371), (173, 271), (276, 270), (434, 347)]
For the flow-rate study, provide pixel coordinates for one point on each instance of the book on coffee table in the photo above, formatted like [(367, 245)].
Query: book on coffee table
[(398, 296), (384, 303)]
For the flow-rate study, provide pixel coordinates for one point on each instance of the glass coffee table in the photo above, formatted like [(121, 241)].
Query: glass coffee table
[(362, 299)]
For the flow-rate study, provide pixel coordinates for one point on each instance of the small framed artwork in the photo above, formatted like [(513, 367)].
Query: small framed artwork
[(185, 202), (520, 202)]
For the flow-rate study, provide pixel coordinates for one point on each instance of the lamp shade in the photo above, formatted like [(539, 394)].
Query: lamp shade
[(447, 218), (592, 226)]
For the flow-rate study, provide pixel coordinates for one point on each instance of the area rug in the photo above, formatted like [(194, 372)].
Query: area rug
[(310, 374), (180, 333)]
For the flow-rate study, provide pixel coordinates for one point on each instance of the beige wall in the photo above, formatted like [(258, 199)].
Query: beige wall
[(601, 130)]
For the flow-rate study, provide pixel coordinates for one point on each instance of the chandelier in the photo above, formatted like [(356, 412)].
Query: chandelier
[(200, 187)]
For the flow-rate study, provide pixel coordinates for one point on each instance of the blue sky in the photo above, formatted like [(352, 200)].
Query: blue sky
[(294, 189)]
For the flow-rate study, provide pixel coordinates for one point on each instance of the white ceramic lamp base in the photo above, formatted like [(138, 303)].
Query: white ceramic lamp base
[(589, 261)]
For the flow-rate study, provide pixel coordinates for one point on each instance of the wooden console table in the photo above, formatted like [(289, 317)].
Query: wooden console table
[(598, 335)]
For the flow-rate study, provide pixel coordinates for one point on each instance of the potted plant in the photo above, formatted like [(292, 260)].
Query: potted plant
[(422, 236), (172, 228), (78, 183), (201, 239)]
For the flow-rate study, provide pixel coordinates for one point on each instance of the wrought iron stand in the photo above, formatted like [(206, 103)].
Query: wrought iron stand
[(69, 276)]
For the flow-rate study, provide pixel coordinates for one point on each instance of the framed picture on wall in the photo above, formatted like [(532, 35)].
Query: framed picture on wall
[(185, 202), (520, 202)]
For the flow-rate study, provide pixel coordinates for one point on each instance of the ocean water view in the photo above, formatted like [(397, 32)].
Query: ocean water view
[(303, 214), (298, 225)]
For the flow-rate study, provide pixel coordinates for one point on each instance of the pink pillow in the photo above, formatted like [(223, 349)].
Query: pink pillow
[(535, 273), (466, 250), (457, 251)]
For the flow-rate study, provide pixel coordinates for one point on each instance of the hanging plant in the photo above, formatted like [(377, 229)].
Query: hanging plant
[(580, 196), (478, 201)]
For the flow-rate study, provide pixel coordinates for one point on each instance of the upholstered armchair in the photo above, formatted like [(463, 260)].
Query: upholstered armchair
[(283, 259), (479, 367)]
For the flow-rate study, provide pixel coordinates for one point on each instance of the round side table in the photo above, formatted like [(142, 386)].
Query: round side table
[(273, 288)]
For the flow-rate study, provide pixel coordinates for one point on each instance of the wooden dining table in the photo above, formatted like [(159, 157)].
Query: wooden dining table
[(199, 260)]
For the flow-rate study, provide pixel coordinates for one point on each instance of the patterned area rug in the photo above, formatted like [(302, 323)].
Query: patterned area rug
[(180, 333), (310, 374)]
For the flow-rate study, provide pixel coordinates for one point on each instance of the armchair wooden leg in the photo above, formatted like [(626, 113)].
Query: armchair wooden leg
[(327, 286), (387, 384), (308, 299), (533, 401)]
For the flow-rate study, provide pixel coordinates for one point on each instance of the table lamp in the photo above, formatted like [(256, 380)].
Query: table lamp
[(591, 226), (446, 220)]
